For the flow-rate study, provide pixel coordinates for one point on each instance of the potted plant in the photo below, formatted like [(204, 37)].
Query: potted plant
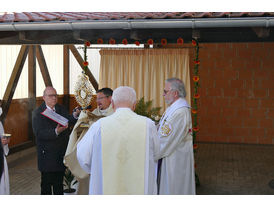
[(69, 181)]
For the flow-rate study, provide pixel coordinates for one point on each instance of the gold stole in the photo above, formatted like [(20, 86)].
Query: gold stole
[(123, 153)]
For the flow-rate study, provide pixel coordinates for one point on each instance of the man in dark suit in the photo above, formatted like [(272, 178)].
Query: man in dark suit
[(51, 140)]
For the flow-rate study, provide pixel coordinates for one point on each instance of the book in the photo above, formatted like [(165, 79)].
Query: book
[(55, 117)]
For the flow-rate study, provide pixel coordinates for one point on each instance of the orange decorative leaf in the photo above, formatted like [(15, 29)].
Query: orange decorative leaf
[(150, 41), (194, 43), (100, 41), (124, 41), (164, 42), (196, 78), (137, 43), (85, 64), (196, 96), (195, 129), (195, 146), (87, 43), (197, 62), (111, 41), (180, 41), (194, 111)]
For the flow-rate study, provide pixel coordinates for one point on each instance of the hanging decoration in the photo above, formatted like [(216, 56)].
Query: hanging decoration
[(83, 88), (196, 96)]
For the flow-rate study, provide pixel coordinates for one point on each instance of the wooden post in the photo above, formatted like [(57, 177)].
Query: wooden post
[(43, 66), (66, 76), (31, 88), (80, 61), (17, 69)]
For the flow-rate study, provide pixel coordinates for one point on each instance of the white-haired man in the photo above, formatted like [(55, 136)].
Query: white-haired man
[(118, 150), (177, 176)]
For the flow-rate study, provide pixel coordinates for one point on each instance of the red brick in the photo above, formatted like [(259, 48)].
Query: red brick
[(207, 138), (260, 93), (251, 102), (251, 122), (259, 113), (245, 93), (237, 84), (236, 139), (236, 121), (224, 139), (216, 92), (265, 140), (251, 140), (245, 53), (270, 113), (270, 132), (230, 92), (246, 73), (224, 46), (261, 73), (222, 101), (258, 45), (229, 53), (259, 132), (222, 83), (244, 113), (206, 101), (241, 131), (253, 63), (216, 73), (229, 111), (222, 63), (236, 102), (237, 63), (240, 45), (231, 73), (266, 123), (267, 103), (214, 111), (227, 131), (267, 83)]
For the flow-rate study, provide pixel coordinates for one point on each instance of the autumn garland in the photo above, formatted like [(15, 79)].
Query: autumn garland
[(85, 63), (196, 96)]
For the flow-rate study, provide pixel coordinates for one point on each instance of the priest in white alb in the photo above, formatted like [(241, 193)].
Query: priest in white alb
[(177, 175), (103, 109), (4, 176), (118, 150)]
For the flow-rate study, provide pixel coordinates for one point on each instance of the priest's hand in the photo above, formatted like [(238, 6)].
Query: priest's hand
[(60, 129)]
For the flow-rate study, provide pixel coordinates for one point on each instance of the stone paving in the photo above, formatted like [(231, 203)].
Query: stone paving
[(223, 169)]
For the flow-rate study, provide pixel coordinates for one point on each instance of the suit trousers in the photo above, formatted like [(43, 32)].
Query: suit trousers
[(52, 181)]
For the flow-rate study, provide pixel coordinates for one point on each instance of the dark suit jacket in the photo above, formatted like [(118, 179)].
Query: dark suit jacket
[(50, 147)]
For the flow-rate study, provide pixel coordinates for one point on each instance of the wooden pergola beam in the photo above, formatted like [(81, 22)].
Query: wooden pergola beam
[(66, 75), (80, 61), (43, 66), (31, 88), (13, 81)]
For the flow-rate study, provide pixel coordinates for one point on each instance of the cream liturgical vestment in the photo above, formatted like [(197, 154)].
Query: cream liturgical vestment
[(85, 120), (118, 152), (177, 170), (4, 183)]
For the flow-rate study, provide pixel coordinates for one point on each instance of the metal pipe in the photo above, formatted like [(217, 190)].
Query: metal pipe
[(141, 24)]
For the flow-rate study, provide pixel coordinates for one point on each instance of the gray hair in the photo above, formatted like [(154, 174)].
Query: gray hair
[(124, 94), (177, 85)]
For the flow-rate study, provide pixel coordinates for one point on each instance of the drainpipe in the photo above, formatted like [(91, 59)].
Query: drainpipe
[(142, 24)]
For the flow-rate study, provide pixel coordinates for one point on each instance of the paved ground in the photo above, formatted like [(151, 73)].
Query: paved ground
[(223, 169)]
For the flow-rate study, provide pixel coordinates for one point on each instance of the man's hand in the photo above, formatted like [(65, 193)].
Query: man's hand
[(60, 128), (5, 140)]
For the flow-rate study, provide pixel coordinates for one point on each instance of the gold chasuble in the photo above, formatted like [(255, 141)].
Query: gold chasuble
[(123, 153)]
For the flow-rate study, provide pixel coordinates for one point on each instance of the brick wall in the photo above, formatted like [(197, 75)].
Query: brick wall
[(237, 88)]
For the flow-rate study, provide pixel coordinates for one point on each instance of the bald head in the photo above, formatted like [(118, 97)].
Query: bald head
[(124, 96)]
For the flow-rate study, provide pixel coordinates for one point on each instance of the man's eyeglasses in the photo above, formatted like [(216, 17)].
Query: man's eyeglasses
[(52, 95), (102, 97), (166, 91)]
